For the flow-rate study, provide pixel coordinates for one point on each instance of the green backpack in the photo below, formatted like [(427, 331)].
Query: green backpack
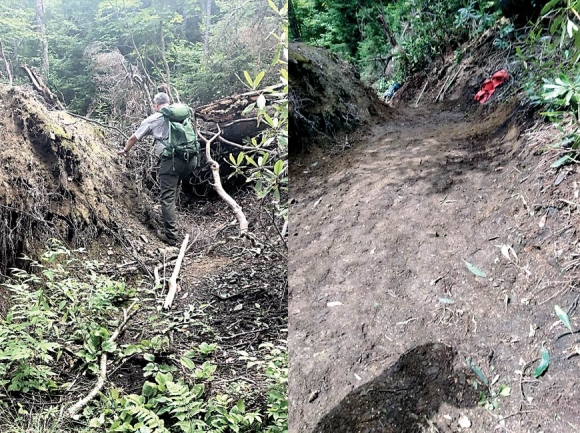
[(182, 141)]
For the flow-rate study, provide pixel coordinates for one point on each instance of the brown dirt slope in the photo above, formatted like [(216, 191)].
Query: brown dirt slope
[(384, 311)]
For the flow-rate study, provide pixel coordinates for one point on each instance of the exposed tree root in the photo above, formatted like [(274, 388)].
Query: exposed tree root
[(215, 169)]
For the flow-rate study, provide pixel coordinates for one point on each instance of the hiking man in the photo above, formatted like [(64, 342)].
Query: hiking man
[(171, 170)]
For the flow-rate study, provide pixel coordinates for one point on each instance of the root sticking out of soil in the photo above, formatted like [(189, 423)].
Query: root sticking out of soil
[(57, 179)]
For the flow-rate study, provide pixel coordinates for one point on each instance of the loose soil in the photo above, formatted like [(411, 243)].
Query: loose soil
[(383, 309)]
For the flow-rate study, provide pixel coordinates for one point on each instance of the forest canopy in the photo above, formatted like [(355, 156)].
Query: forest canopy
[(394, 39), (86, 49)]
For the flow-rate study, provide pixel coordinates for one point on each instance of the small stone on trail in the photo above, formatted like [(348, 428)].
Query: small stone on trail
[(464, 422), (238, 307), (313, 396)]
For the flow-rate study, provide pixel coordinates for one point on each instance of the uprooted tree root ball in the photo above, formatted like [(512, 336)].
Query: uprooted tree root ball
[(326, 98), (57, 177)]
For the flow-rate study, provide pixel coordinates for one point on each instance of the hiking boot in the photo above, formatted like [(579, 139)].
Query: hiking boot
[(163, 237)]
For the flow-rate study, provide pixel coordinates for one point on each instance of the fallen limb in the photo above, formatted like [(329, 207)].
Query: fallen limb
[(103, 125), (215, 169), (78, 406), (239, 146), (41, 87), (173, 279)]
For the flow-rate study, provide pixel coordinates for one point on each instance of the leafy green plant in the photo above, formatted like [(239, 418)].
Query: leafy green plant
[(264, 162), (562, 95), (152, 368), (274, 364), (60, 304), (476, 18), (502, 41), (95, 342), (172, 405), (490, 396), (205, 349), (491, 401)]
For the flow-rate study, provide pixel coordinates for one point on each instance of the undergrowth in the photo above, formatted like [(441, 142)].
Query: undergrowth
[(62, 317), (549, 56)]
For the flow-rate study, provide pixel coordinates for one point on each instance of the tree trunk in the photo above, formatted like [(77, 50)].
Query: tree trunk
[(294, 24), (387, 31), (6, 63), (40, 7), (207, 26), (227, 113), (42, 88), (163, 56)]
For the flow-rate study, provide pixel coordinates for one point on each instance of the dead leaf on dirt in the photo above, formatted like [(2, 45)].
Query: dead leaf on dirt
[(542, 222), (406, 321), (436, 280), (507, 251), (474, 269), (560, 178), (446, 301), (333, 304), (313, 396)]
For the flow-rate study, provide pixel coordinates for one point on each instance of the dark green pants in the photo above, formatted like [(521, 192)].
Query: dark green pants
[(171, 172)]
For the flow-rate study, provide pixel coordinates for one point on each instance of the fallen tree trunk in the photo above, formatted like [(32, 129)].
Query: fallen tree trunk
[(227, 112)]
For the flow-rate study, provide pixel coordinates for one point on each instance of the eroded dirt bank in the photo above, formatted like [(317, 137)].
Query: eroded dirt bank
[(383, 310)]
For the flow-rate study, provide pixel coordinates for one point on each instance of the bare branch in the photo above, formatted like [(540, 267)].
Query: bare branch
[(239, 146), (76, 408), (173, 279)]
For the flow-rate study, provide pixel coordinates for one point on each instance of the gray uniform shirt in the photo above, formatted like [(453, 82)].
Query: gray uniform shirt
[(156, 126)]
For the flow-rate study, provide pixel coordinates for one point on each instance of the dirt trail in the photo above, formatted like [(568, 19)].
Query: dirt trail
[(382, 230)]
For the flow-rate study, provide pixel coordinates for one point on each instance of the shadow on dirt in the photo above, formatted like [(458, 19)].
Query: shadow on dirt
[(404, 396)]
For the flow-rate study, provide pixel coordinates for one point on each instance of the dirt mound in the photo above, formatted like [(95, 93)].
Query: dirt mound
[(326, 97), (454, 79), (58, 177)]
